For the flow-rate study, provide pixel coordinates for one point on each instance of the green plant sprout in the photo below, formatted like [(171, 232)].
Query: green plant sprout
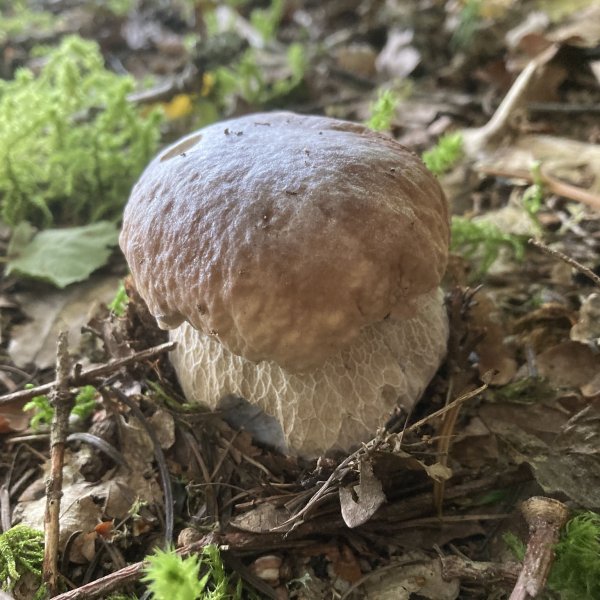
[(21, 551), (118, 305), (197, 577), (482, 241), (266, 20), (247, 78), (533, 197), (383, 111), (85, 402), (575, 573), (18, 17), (72, 144), (445, 154)]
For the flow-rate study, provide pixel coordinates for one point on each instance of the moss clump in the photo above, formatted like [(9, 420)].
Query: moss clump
[(72, 144), (21, 551), (383, 111), (482, 242), (445, 154), (203, 576), (575, 574)]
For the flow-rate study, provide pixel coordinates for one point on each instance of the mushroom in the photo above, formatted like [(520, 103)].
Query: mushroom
[(297, 261)]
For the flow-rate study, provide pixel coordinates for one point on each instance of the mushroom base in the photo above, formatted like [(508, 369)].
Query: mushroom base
[(332, 407)]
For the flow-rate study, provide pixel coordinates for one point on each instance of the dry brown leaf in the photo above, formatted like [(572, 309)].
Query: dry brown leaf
[(360, 502)]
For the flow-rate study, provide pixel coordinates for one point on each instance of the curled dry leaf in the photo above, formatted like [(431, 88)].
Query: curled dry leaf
[(360, 502)]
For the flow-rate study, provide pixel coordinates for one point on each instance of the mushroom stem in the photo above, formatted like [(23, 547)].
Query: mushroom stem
[(545, 518)]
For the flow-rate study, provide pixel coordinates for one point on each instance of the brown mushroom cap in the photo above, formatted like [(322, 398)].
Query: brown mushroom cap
[(283, 236)]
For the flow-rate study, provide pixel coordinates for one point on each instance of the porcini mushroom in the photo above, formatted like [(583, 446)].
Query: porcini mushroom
[(297, 260)]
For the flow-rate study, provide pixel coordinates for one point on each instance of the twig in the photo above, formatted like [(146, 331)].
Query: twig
[(129, 574), (479, 572), (452, 406), (570, 261), (62, 401), (343, 467), (475, 140), (84, 377), (545, 518), (554, 185)]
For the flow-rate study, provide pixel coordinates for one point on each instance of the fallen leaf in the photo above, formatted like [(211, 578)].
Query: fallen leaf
[(34, 342), (83, 548), (63, 256), (423, 578), (587, 328), (568, 365), (398, 58), (360, 502)]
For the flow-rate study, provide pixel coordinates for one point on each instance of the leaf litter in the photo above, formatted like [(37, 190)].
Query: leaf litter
[(366, 525)]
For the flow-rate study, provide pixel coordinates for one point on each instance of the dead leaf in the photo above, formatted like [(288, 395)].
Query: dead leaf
[(568, 365), (360, 502), (494, 354), (423, 578), (344, 563), (164, 427), (35, 341), (83, 548), (572, 463), (398, 58), (12, 417), (587, 328), (475, 445), (262, 519)]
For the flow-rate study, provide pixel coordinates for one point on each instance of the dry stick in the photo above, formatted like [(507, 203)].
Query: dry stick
[(85, 377), (482, 573), (129, 574), (341, 469), (62, 401), (545, 517), (560, 188), (570, 261)]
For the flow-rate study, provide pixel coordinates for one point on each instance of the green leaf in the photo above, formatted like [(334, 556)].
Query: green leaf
[(62, 256)]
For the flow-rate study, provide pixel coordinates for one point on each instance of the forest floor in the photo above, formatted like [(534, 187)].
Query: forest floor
[(433, 508)]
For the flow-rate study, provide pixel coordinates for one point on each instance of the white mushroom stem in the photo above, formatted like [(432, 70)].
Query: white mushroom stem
[(334, 406)]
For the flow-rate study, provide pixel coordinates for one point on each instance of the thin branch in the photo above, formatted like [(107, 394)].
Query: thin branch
[(570, 261), (551, 183), (62, 401), (80, 378)]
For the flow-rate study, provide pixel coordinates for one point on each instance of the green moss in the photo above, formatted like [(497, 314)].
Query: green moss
[(197, 577), (575, 574), (85, 402), (21, 551), (445, 154), (482, 241), (72, 143), (18, 18), (247, 78), (120, 301), (383, 111)]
